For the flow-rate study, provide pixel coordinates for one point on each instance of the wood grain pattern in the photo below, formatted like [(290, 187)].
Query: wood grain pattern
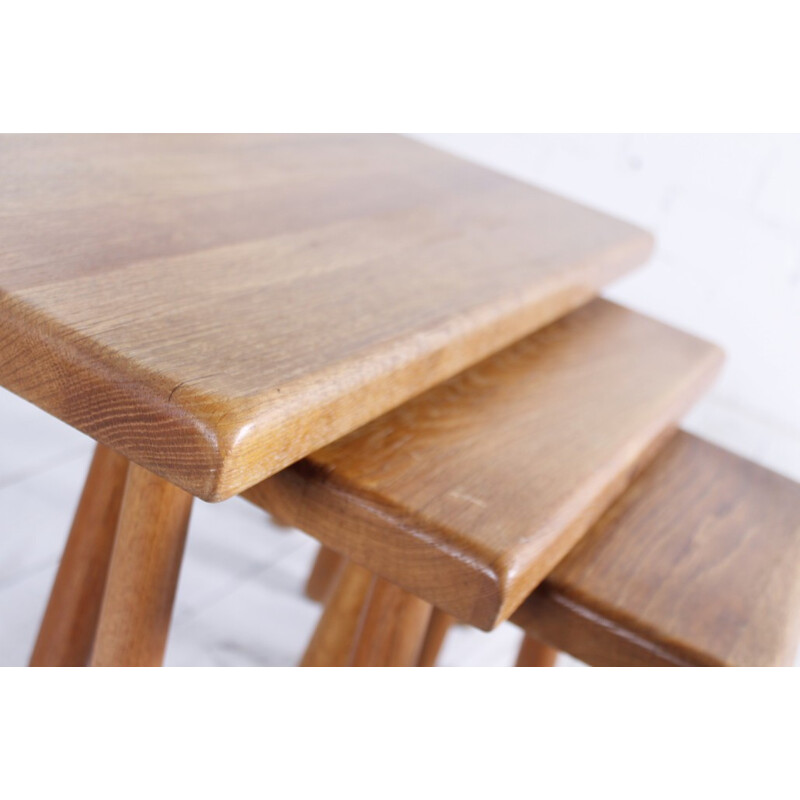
[(698, 563), (67, 631), (468, 495), (394, 627), (216, 307), (143, 575)]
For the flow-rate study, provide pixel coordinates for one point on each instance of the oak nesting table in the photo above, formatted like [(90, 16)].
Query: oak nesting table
[(211, 309), (470, 494)]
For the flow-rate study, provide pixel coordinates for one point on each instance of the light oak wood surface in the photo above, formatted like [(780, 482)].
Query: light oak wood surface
[(698, 563), (468, 495), (216, 307)]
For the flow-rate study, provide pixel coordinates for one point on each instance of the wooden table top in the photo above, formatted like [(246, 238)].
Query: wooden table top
[(471, 493), (217, 307), (698, 563)]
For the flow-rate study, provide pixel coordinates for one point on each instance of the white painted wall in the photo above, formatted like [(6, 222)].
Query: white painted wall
[(725, 210)]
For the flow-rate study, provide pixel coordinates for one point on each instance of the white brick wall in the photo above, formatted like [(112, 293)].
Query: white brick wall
[(725, 210)]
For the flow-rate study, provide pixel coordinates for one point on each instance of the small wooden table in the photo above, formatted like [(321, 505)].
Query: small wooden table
[(213, 308)]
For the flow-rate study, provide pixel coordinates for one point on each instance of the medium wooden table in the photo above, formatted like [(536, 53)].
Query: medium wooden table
[(213, 308), (470, 494)]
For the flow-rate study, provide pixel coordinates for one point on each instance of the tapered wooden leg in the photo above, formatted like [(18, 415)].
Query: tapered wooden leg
[(534, 653), (324, 574), (394, 628), (67, 631), (145, 563), (438, 627), (335, 636)]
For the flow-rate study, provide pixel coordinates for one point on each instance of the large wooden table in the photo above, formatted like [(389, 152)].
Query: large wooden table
[(217, 307), (214, 308)]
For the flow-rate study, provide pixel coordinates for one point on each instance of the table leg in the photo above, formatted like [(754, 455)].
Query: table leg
[(534, 653), (67, 631), (394, 628), (143, 576), (438, 627), (327, 568), (336, 633)]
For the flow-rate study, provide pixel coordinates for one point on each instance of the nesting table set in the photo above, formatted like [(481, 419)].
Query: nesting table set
[(402, 354)]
